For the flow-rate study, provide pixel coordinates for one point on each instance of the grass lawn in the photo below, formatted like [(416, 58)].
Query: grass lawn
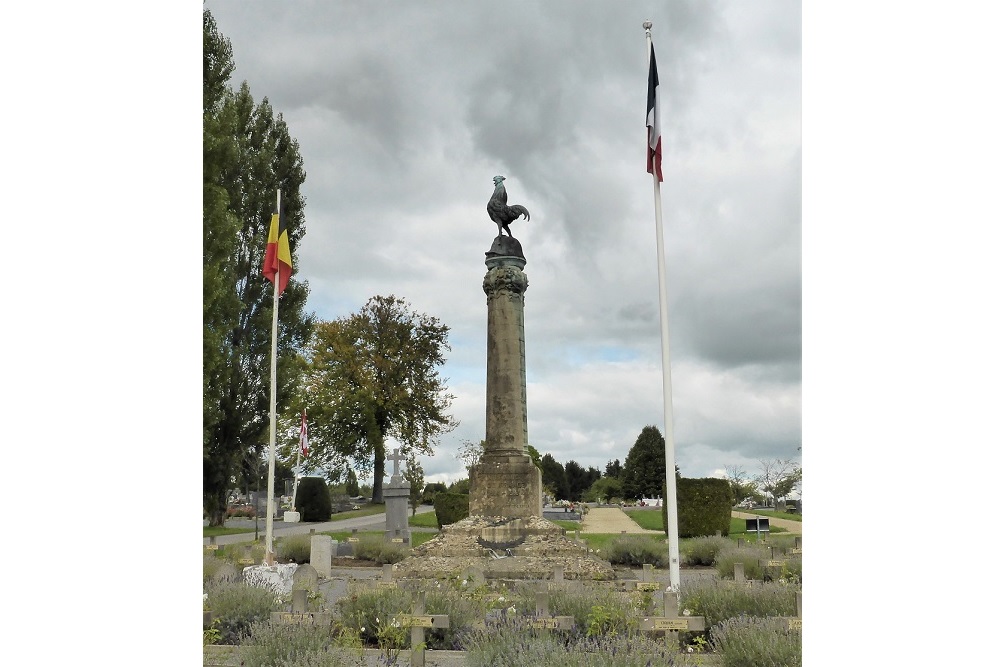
[(776, 515), (425, 520), (653, 520), (207, 531)]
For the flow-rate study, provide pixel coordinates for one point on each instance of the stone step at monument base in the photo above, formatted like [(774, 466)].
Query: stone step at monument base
[(503, 548)]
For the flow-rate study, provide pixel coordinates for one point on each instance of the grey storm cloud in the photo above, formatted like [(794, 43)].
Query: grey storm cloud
[(404, 112)]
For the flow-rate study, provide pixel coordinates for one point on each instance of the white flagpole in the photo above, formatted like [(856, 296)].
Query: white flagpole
[(269, 544), (668, 412), (298, 453)]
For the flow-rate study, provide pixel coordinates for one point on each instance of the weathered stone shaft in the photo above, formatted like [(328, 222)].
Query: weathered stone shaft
[(505, 483), (506, 402)]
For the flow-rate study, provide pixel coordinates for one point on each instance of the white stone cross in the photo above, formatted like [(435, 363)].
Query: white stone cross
[(395, 458)]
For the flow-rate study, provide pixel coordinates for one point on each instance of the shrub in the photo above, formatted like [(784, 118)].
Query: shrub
[(368, 611), (703, 506), (210, 565), (450, 507), (236, 606), (378, 550), (510, 642), (313, 500), (430, 491), (233, 553), (294, 548), (703, 550), (636, 550), (718, 600), (597, 610), (749, 554), (297, 645), (746, 641)]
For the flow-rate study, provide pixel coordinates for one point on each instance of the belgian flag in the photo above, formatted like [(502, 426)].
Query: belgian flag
[(278, 258)]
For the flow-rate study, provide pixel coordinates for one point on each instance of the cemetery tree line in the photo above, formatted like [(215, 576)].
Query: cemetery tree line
[(362, 378), (248, 155)]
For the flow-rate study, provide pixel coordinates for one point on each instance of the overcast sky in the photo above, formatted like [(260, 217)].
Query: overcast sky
[(403, 120), (404, 112)]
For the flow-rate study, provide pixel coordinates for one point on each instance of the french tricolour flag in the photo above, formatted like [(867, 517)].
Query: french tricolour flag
[(654, 152), (304, 436)]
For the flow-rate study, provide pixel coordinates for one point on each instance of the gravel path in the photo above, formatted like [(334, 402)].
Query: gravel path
[(611, 520)]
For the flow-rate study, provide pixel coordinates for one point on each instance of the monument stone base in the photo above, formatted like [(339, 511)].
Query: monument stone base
[(503, 548), (505, 485), (396, 495)]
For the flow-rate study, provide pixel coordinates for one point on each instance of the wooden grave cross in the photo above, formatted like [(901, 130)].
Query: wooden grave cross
[(298, 614), (795, 623), (543, 620), (417, 622), (387, 581), (671, 623), (646, 582)]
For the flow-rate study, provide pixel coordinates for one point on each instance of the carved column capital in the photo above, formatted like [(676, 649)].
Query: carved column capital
[(505, 281)]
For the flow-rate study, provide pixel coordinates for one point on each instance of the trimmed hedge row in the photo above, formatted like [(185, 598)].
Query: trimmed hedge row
[(450, 507), (704, 506)]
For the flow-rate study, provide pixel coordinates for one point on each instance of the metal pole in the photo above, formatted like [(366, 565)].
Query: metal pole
[(269, 548), (668, 417)]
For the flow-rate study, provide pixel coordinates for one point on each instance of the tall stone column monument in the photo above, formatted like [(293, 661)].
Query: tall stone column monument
[(506, 482), (505, 535)]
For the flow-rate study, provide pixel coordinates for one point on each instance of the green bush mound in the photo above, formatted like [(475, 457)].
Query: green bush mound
[(720, 600), (312, 500), (450, 507), (298, 645), (236, 606), (636, 550), (294, 549), (702, 550), (376, 549), (747, 641)]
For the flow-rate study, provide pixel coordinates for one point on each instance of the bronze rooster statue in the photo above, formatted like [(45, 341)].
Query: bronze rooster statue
[(499, 212)]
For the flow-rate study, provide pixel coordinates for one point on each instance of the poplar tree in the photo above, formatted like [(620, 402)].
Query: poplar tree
[(248, 154)]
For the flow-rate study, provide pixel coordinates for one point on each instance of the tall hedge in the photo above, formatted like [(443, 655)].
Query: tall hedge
[(450, 507), (703, 506), (312, 500)]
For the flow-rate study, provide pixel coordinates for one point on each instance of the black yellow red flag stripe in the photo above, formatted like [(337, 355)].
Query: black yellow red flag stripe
[(278, 257)]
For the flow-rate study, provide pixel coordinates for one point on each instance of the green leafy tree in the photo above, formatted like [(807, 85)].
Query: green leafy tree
[(374, 375), (604, 490), (778, 477), (471, 453), (613, 469), (536, 458), (248, 154), (644, 472), (554, 477), (579, 480), (742, 486), (351, 487), (460, 486)]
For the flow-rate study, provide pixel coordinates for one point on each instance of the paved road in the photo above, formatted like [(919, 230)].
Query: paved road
[(281, 529)]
